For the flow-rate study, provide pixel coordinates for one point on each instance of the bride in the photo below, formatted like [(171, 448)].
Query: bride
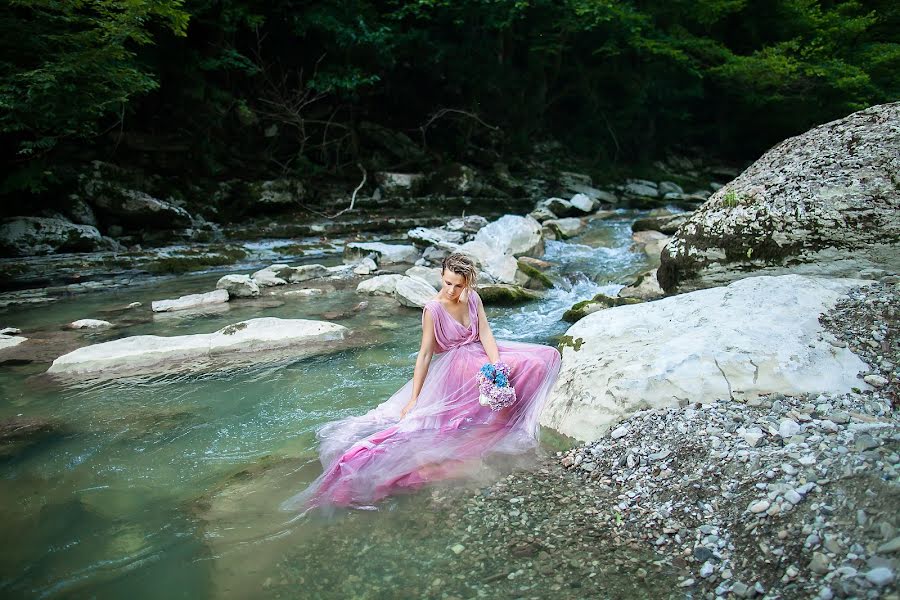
[(434, 427)]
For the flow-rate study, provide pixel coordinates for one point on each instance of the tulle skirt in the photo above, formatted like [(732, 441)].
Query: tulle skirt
[(447, 434)]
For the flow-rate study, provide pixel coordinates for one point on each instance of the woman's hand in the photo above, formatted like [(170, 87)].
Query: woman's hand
[(407, 408)]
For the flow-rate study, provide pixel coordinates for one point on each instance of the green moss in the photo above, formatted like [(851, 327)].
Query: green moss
[(186, 264), (568, 340), (505, 294), (535, 275), (580, 309)]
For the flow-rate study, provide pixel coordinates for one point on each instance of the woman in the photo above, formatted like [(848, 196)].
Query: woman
[(434, 427)]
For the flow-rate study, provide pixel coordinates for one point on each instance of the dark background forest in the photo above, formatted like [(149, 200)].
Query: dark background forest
[(212, 89)]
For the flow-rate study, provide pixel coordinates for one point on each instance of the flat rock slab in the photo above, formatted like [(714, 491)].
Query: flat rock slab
[(756, 336), (191, 301), (149, 353)]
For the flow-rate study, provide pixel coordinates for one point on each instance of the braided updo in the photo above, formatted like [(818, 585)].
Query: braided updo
[(459, 263)]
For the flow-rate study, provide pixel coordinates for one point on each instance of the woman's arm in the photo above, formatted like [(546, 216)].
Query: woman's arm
[(426, 350), (485, 334)]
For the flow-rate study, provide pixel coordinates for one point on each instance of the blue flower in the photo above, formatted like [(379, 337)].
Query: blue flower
[(501, 380)]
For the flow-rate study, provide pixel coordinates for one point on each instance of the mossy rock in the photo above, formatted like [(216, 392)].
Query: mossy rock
[(504, 294), (599, 302), (536, 280)]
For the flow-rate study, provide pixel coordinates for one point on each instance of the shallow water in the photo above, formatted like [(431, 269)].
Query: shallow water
[(168, 486)]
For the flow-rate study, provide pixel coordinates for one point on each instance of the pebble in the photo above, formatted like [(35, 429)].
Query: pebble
[(880, 576)]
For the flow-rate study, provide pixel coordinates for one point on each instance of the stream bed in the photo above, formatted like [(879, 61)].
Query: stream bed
[(168, 486)]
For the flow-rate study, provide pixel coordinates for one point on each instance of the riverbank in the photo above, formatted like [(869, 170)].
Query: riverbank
[(777, 497)]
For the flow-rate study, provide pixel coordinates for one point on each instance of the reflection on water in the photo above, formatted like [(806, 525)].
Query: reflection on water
[(168, 485)]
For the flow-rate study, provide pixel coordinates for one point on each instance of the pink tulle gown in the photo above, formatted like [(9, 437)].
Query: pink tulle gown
[(445, 434)]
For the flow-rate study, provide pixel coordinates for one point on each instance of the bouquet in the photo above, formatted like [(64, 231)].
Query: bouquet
[(493, 385)]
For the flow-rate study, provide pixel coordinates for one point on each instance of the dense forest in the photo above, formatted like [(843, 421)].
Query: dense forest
[(205, 89)]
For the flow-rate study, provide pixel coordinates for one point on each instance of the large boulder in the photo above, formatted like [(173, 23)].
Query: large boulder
[(514, 235), (276, 195), (823, 203), (667, 224), (430, 276), (387, 254), (499, 266), (29, 236), (151, 353), (757, 336)]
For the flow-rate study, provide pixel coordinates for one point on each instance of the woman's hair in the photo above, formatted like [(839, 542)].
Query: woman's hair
[(459, 263)]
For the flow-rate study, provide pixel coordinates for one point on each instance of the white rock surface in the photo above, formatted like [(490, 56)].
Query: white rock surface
[(430, 276), (9, 341), (190, 301), (413, 292), (145, 353), (569, 227), (90, 324), (512, 234), (758, 335), (365, 266), (269, 277), (500, 267), (26, 236), (645, 288), (387, 253), (582, 203), (380, 285), (432, 236), (238, 286)]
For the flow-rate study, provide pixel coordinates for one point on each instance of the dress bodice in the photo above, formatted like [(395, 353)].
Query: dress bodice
[(448, 332)]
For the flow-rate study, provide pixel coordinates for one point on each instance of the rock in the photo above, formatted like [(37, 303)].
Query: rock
[(80, 212), (268, 277), (238, 286), (880, 576), (667, 224), (513, 235), (759, 506), (430, 276), (134, 209), (565, 228), (821, 203), (864, 441), (641, 189), (668, 187), (714, 343), (455, 180), (395, 143), (876, 381), (366, 266), (276, 195), (818, 564), (29, 236), (303, 272), (433, 236), (499, 266), (90, 324), (890, 547), (10, 341), (470, 224), (246, 339), (788, 428), (191, 301), (413, 292), (754, 436), (559, 208), (505, 294), (10, 331), (542, 214), (619, 432), (652, 242), (598, 302), (531, 278), (645, 287), (380, 285), (387, 254), (17, 433), (582, 203), (399, 184)]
